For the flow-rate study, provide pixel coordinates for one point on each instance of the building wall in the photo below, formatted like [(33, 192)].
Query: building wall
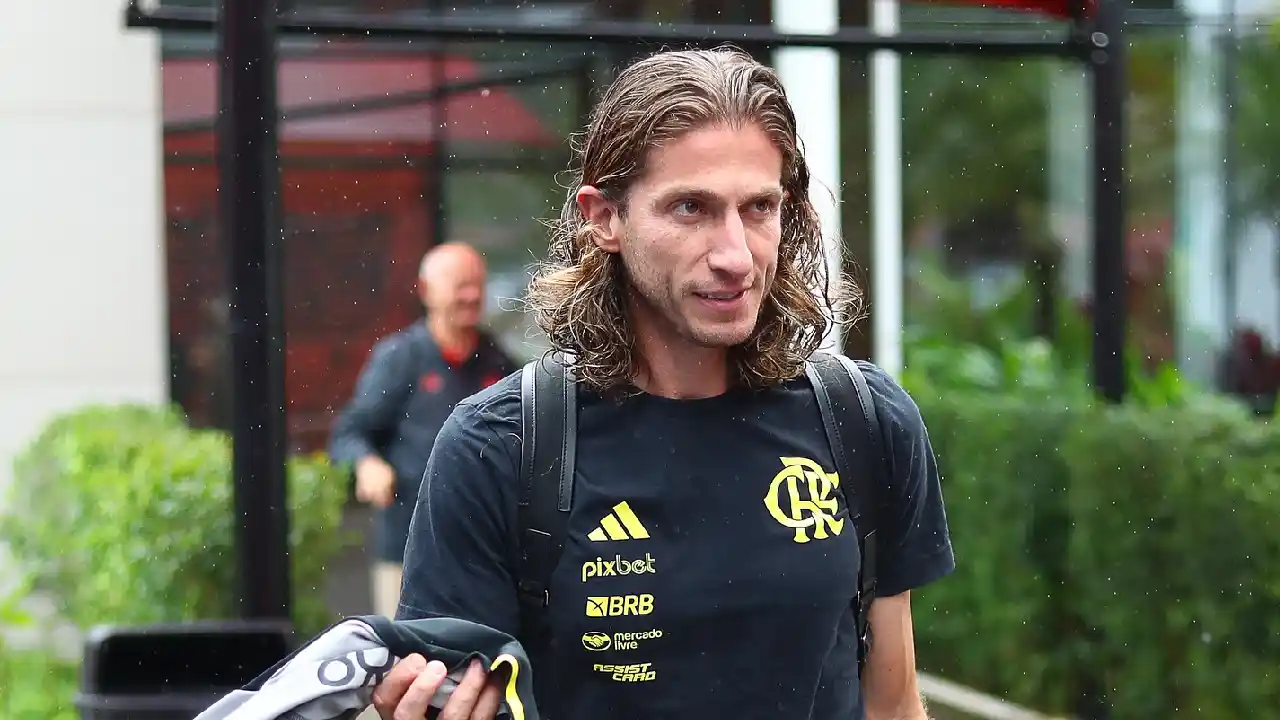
[(81, 259)]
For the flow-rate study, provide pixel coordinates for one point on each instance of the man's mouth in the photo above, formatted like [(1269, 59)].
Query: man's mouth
[(721, 296)]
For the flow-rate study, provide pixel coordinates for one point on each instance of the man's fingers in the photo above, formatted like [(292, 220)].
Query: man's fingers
[(416, 700), (491, 697), (388, 692), (463, 700)]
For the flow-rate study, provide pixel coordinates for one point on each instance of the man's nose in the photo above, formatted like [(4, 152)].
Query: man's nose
[(729, 253)]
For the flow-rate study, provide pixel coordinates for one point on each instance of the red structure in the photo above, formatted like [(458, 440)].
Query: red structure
[(357, 201)]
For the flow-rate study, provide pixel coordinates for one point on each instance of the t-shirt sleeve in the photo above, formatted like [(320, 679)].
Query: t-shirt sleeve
[(459, 557), (914, 543)]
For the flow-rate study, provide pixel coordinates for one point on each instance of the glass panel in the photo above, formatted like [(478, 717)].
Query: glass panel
[(987, 257), (496, 195), (360, 156), (998, 220)]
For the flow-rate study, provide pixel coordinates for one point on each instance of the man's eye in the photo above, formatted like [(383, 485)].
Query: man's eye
[(764, 207), (687, 207)]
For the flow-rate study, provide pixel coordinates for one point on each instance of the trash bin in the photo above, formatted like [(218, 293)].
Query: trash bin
[(173, 672)]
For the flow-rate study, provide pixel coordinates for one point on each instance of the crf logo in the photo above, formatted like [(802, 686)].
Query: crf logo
[(802, 497)]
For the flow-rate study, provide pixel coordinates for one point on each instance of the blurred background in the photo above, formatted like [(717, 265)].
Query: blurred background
[(1130, 552)]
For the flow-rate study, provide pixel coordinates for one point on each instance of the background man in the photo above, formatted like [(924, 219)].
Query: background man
[(410, 384)]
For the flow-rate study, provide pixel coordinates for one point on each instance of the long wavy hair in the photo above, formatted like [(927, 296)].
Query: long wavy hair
[(578, 295)]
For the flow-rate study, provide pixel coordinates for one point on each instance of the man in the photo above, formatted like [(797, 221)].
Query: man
[(681, 282), (405, 392)]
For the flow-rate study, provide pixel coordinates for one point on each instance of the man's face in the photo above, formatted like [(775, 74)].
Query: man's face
[(453, 292), (700, 235)]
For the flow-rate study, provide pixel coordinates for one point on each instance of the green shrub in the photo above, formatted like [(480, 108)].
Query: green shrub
[(123, 515), (977, 626), (1135, 546), (37, 686), (1176, 543)]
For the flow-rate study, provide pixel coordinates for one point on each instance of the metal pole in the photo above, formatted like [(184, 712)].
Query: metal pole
[(635, 34), (250, 188), (1110, 307)]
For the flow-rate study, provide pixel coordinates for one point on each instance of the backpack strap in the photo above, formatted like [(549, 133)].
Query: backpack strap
[(853, 431), (549, 416)]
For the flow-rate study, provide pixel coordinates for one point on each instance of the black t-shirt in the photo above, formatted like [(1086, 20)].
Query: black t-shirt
[(710, 564)]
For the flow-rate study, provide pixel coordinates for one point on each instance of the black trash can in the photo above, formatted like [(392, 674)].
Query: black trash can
[(173, 672)]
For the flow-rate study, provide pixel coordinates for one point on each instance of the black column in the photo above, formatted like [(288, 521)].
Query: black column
[(249, 177), (1107, 60)]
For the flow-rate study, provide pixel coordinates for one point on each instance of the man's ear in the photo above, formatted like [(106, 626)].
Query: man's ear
[(420, 289), (602, 213)]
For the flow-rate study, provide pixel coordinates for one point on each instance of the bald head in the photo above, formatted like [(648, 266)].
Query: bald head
[(449, 258), (451, 282)]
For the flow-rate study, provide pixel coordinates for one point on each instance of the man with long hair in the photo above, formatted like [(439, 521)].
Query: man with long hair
[(687, 287)]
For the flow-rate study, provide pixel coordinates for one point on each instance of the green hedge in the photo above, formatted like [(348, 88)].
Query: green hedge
[(124, 515), (1136, 547)]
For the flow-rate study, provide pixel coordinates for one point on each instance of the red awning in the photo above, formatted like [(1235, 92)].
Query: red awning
[(488, 115)]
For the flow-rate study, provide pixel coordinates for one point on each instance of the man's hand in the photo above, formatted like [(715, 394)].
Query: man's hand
[(406, 692), (375, 481)]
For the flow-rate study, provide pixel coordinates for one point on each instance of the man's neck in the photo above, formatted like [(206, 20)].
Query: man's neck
[(672, 367), (451, 338)]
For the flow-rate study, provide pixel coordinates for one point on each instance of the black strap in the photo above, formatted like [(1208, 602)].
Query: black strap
[(549, 416), (853, 431)]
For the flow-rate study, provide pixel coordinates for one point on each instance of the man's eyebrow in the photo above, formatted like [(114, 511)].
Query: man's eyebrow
[(688, 191), (697, 193)]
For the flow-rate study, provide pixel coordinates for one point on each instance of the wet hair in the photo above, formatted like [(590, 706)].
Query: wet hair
[(578, 294)]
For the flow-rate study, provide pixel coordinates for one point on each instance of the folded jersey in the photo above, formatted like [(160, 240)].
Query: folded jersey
[(332, 676)]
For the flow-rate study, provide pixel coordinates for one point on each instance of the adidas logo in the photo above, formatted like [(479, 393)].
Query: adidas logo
[(621, 524)]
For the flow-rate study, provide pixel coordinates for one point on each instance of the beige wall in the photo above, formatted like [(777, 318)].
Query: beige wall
[(82, 316)]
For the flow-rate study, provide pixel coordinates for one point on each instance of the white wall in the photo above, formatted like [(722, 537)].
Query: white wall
[(82, 316)]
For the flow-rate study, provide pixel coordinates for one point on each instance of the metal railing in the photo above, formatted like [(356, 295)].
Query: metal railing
[(971, 703)]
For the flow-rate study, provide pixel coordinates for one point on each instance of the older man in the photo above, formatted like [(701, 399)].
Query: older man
[(408, 387)]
